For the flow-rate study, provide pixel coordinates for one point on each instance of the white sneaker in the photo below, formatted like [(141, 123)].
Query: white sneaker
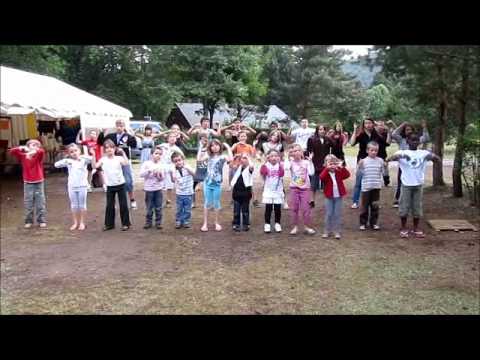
[(105, 187), (376, 227), (27, 225), (89, 189), (362, 227), (354, 206), (286, 206), (309, 231), (337, 236), (133, 205), (324, 235), (278, 227), (294, 231), (267, 228)]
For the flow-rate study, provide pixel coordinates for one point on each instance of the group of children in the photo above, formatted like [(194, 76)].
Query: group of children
[(165, 169)]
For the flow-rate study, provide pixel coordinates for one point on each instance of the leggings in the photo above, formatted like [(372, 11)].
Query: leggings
[(268, 212), (78, 198)]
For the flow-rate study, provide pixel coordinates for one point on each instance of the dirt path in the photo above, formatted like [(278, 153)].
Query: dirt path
[(184, 271)]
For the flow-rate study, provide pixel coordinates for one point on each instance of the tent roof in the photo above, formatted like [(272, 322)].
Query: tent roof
[(275, 114), (193, 113), (55, 98)]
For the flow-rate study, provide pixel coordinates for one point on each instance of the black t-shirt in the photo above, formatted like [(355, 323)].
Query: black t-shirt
[(363, 139)]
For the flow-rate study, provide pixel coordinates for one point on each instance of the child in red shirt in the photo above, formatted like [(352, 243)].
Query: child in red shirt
[(31, 158), (332, 176)]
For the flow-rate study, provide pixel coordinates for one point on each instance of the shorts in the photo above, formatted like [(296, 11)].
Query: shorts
[(127, 174), (410, 201), (212, 195), (279, 199)]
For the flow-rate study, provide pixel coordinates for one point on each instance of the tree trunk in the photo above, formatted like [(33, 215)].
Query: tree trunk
[(462, 123), (438, 145), (211, 110)]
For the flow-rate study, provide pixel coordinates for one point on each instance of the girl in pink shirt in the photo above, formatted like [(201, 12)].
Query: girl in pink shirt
[(300, 195)]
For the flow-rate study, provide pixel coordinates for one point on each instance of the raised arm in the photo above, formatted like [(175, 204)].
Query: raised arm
[(77, 139), (353, 139), (201, 155), (396, 133), (425, 135), (229, 152), (253, 131)]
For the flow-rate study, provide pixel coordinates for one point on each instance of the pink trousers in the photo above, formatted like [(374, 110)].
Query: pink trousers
[(299, 205)]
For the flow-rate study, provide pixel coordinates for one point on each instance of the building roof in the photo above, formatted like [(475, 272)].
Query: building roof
[(193, 112)]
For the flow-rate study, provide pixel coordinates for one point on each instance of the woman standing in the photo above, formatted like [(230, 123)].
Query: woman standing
[(148, 142)]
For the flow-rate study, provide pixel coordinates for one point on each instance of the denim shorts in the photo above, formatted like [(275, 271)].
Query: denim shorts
[(212, 194)]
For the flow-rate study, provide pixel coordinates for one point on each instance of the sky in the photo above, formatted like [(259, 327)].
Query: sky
[(356, 49)]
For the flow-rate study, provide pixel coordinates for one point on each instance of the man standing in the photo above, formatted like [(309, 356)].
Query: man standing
[(125, 141)]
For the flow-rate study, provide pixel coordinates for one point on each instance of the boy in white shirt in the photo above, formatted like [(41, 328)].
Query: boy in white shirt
[(302, 134), (412, 163)]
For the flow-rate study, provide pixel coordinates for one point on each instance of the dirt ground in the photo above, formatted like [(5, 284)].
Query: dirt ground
[(170, 271)]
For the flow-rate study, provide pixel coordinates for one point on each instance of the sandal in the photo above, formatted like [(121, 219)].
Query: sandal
[(419, 234), (404, 234)]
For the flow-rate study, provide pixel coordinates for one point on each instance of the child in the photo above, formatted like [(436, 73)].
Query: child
[(320, 146), (212, 186), (112, 166), (301, 169), (242, 148), (412, 163), (92, 144), (77, 183), (332, 177), (241, 184), (31, 158), (273, 195), (371, 168), (168, 149), (153, 172), (183, 179), (201, 168)]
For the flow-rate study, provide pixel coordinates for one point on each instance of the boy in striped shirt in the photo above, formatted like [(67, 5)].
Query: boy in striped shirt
[(372, 170)]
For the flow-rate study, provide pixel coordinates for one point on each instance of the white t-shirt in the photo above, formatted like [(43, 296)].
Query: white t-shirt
[(336, 193), (77, 171), (302, 135), (413, 170), (112, 168), (184, 182)]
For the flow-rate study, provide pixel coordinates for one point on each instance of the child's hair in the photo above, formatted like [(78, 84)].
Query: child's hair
[(72, 145), (275, 133), (155, 149), (372, 144), (242, 132), (271, 151), (209, 146), (204, 119), (331, 158), (31, 141), (108, 143), (176, 155), (146, 129)]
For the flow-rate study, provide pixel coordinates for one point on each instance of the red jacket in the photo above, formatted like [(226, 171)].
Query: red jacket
[(32, 169), (340, 175)]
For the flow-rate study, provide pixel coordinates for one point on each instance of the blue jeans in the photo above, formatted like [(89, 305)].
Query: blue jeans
[(333, 214), (153, 203), (127, 174), (34, 195), (184, 209), (358, 187)]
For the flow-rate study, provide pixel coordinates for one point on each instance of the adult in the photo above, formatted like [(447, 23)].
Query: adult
[(363, 135), (67, 131), (232, 131), (386, 133), (302, 134), (125, 141), (400, 136), (319, 145)]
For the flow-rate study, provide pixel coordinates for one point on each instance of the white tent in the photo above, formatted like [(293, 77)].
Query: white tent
[(24, 92)]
